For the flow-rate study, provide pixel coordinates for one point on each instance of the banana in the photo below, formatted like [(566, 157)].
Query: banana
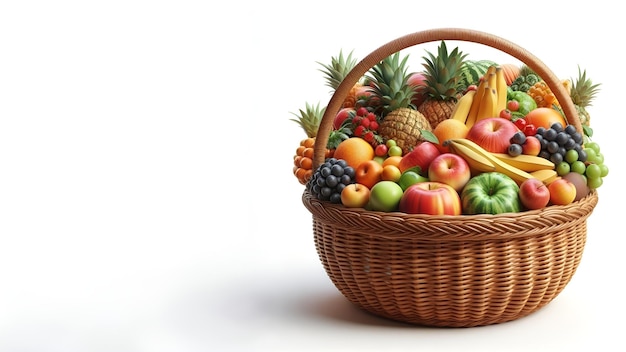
[(546, 176), (477, 162), (471, 116), (487, 106), (528, 163), (501, 90), (463, 105), (513, 172)]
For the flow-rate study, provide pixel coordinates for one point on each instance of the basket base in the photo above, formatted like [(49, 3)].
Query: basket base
[(473, 272)]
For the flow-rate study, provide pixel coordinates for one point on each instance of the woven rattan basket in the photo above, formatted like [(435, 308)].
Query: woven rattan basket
[(449, 271)]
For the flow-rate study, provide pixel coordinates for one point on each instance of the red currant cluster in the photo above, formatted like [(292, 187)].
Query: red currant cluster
[(365, 125), (528, 128)]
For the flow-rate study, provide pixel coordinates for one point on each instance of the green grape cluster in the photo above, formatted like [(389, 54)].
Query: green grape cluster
[(595, 168), (570, 151)]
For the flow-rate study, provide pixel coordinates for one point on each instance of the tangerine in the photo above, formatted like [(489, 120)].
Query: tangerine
[(544, 117), (354, 151), (449, 129)]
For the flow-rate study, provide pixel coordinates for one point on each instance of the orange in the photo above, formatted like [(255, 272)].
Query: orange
[(449, 129), (354, 151), (392, 160)]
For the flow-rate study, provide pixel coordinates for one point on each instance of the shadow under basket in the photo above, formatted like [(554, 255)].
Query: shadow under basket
[(449, 271)]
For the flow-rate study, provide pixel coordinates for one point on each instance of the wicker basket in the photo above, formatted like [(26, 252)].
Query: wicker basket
[(449, 271)]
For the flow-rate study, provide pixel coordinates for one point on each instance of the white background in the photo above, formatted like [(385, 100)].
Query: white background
[(146, 195)]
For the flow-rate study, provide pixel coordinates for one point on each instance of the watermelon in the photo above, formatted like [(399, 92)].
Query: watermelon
[(490, 193), (472, 71)]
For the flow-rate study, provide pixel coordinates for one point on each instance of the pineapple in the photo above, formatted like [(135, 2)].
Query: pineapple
[(443, 80), (392, 93), (336, 71), (309, 120), (405, 126), (583, 92)]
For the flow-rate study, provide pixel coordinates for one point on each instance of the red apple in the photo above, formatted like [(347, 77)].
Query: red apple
[(421, 156), (534, 194), (341, 116), (532, 146), (434, 198), (451, 169), (368, 173), (493, 134), (417, 80), (562, 191), (355, 195)]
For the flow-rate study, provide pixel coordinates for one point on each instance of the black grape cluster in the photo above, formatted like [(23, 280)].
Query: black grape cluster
[(557, 140), (330, 178)]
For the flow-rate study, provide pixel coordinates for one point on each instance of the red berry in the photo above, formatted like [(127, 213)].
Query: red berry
[(359, 130), (530, 130), (369, 136), (365, 122), (520, 123), (374, 126), (362, 111), (371, 116), (356, 120)]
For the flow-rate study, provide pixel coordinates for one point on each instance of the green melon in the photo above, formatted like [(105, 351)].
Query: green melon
[(490, 193), (472, 71)]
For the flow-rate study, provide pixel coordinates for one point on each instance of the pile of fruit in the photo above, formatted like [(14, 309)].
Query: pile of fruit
[(458, 137)]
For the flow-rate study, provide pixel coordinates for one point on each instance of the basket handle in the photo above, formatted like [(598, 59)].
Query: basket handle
[(468, 35)]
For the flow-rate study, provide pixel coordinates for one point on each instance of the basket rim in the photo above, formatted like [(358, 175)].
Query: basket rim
[(480, 227)]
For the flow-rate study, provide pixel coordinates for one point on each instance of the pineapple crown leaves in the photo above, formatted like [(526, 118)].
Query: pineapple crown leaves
[(338, 68), (310, 118), (583, 89), (442, 72), (389, 80)]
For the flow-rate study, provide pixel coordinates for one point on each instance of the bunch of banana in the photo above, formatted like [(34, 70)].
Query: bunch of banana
[(519, 168), (489, 98)]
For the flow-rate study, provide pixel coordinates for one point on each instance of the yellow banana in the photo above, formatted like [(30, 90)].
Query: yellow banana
[(501, 89), (471, 116), (492, 79), (515, 173), (477, 162), (463, 105), (546, 176), (528, 163), (487, 106)]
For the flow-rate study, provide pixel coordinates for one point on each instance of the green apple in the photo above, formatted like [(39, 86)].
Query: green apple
[(490, 193), (385, 196), (409, 178)]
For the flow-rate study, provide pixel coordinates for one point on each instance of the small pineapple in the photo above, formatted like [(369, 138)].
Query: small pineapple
[(336, 71), (398, 118), (443, 80), (583, 92), (309, 119)]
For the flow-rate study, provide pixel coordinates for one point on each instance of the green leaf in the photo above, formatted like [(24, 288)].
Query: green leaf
[(588, 131), (429, 136)]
